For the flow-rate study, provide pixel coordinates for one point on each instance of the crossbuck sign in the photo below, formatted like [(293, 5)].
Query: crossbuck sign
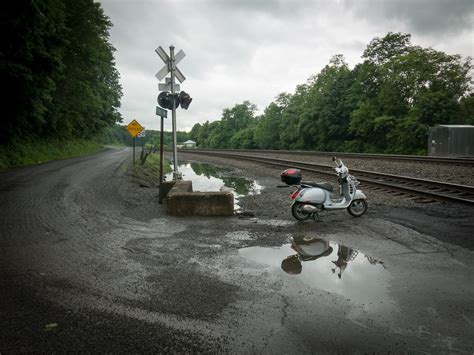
[(168, 65)]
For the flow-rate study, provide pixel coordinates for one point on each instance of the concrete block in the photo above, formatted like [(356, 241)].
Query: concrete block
[(183, 186), (165, 188), (176, 186)]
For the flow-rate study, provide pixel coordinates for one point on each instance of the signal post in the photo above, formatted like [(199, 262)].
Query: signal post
[(168, 99)]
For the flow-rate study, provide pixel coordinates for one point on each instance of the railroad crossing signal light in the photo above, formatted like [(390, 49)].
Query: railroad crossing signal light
[(166, 100), (184, 100)]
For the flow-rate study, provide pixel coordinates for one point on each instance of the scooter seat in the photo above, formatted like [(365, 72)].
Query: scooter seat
[(323, 185)]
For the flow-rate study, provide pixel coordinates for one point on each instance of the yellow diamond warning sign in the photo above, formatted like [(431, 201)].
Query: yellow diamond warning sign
[(134, 128)]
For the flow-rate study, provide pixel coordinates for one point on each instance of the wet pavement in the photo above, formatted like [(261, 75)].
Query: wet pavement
[(90, 262)]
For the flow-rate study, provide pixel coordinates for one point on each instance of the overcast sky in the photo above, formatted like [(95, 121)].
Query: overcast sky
[(255, 49)]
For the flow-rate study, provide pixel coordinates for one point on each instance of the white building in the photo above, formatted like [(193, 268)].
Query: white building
[(189, 144)]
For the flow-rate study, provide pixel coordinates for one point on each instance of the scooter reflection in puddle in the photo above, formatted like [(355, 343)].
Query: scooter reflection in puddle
[(309, 249)]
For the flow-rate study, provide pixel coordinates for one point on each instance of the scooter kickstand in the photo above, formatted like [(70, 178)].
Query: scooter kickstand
[(315, 216)]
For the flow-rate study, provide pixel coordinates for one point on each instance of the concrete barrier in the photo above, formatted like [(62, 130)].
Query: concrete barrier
[(165, 188), (182, 201)]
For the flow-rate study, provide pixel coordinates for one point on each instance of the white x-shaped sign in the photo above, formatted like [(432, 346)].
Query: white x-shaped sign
[(167, 68)]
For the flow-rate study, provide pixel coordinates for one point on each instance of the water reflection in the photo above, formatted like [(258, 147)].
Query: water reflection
[(207, 177), (206, 170), (241, 186), (309, 249), (325, 265)]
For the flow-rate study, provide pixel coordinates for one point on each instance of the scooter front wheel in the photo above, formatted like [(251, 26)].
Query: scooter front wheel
[(357, 208), (298, 213)]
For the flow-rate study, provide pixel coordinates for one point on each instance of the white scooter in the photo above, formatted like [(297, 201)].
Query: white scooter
[(312, 197)]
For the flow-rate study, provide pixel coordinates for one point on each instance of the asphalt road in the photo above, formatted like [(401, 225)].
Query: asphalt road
[(90, 262)]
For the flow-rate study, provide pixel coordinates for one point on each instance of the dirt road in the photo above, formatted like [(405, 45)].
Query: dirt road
[(90, 262)]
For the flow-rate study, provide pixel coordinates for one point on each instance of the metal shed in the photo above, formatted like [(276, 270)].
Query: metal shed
[(189, 144), (451, 141)]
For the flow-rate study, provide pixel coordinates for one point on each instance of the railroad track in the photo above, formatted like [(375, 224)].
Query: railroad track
[(406, 158), (428, 189)]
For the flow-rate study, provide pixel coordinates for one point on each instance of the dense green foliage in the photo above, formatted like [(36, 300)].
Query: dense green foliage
[(58, 72), (385, 104), (149, 172), (153, 137), (39, 151), (119, 135)]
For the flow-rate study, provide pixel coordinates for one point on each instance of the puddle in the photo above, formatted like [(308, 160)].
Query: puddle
[(207, 177), (327, 266)]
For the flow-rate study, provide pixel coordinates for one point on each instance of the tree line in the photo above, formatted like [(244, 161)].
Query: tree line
[(385, 104), (118, 134), (58, 71)]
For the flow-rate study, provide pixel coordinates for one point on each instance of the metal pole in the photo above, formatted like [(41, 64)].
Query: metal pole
[(161, 161), (134, 151), (176, 175)]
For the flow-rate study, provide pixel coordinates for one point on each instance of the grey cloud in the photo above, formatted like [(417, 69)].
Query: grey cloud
[(426, 17), (275, 7)]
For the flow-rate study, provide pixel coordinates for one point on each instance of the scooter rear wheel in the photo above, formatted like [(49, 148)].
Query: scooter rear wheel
[(298, 213), (357, 208)]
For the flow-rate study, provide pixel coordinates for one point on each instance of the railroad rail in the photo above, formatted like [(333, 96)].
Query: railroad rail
[(430, 189), (407, 158)]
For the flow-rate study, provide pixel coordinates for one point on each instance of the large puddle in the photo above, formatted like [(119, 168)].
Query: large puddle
[(207, 177), (325, 265)]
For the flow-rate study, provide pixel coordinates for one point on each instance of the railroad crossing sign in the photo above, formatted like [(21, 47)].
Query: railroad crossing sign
[(134, 128), (168, 64), (167, 86)]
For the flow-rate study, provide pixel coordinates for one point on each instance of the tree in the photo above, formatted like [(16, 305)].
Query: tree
[(58, 69), (465, 115), (325, 117), (30, 64), (88, 94), (401, 90), (381, 50), (384, 105), (269, 125), (290, 116)]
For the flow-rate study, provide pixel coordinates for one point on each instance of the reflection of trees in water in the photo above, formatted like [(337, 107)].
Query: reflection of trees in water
[(241, 186), (206, 169)]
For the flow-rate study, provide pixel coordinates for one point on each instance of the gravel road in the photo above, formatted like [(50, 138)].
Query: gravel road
[(90, 262)]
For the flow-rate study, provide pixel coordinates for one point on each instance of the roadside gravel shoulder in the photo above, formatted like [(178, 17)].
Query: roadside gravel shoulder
[(449, 222)]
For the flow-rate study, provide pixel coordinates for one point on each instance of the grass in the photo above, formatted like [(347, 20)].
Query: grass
[(149, 172), (40, 151), (35, 152)]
